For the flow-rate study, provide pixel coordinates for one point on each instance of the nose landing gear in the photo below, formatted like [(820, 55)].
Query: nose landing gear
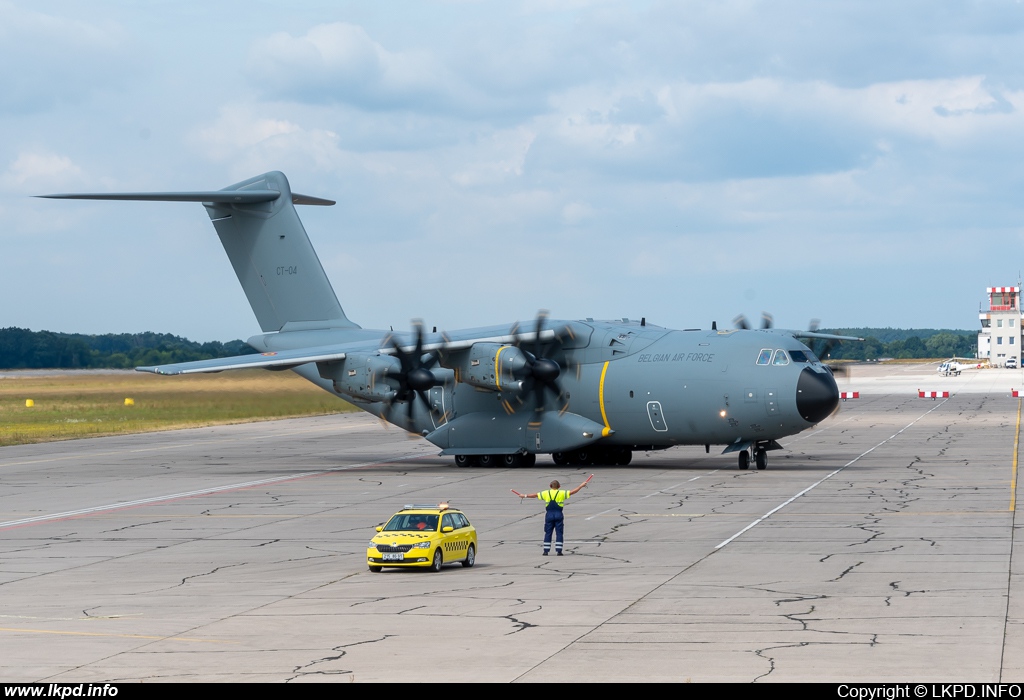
[(760, 458)]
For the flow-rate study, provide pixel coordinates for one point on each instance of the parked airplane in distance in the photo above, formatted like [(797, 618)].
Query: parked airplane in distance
[(584, 391)]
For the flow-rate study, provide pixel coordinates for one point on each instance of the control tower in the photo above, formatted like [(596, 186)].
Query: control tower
[(1000, 334)]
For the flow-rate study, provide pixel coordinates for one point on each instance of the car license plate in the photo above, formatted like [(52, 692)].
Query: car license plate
[(393, 556)]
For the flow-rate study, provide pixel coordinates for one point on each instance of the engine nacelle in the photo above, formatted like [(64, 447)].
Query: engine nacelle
[(363, 375), (492, 366)]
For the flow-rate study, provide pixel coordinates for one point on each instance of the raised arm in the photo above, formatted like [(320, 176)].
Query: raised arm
[(580, 487)]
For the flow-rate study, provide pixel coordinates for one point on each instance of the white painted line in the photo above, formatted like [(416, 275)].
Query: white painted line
[(190, 494), (828, 476)]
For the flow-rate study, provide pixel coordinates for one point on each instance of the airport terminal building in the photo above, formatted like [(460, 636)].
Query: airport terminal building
[(1000, 335)]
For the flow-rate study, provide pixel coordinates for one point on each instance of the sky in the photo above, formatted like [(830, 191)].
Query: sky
[(861, 163)]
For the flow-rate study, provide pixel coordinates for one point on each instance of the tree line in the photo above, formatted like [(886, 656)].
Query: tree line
[(901, 344), (21, 348)]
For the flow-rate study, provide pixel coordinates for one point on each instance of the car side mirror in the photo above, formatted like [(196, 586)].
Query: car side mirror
[(379, 528), (447, 528)]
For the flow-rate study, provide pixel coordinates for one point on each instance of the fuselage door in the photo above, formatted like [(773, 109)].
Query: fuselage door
[(440, 406), (656, 416)]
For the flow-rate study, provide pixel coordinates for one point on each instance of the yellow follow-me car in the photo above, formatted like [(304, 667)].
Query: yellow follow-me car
[(423, 536)]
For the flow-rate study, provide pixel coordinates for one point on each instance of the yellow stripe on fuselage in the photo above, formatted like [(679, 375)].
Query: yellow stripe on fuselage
[(600, 396)]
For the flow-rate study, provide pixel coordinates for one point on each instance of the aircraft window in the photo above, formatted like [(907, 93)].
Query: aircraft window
[(765, 358), (799, 356), (780, 358)]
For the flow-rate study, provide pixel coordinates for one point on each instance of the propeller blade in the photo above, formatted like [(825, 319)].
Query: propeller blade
[(766, 320), (740, 322)]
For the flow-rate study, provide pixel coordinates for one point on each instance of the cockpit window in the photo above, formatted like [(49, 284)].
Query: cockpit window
[(765, 358), (780, 358), (799, 356)]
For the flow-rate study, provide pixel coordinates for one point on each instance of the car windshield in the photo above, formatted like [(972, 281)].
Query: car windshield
[(412, 522)]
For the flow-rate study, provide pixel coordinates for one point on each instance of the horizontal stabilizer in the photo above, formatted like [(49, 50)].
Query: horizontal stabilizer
[(267, 360), (214, 197)]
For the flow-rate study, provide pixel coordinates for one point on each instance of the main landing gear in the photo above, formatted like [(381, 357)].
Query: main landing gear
[(584, 457), (620, 456), (512, 460), (760, 458)]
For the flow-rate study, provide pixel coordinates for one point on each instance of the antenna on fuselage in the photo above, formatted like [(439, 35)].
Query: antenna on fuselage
[(714, 325)]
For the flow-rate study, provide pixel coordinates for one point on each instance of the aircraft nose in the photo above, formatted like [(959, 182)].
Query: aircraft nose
[(816, 395)]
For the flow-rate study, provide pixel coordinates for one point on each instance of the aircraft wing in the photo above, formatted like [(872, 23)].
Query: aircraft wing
[(284, 359), (822, 336)]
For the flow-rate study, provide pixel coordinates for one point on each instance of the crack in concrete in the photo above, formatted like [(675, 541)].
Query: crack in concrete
[(300, 671), (895, 585), (521, 624), (186, 580), (846, 571), (129, 527)]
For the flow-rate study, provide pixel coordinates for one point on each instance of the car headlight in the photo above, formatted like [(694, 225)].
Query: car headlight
[(372, 545), (422, 545)]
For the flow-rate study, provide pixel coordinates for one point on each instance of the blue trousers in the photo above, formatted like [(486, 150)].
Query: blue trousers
[(553, 522)]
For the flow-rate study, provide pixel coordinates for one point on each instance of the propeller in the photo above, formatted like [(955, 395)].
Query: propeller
[(542, 370), (414, 376), (766, 322), (822, 349)]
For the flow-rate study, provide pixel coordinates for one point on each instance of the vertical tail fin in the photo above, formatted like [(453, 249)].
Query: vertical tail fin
[(274, 260), (264, 239)]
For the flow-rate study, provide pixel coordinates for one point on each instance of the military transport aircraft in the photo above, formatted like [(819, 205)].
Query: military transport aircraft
[(583, 391)]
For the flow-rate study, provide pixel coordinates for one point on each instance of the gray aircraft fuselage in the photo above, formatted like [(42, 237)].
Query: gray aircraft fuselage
[(644, 387)]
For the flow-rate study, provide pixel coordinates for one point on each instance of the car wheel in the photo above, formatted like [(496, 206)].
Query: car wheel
[(470, 557), (438, 560), (376, 569)]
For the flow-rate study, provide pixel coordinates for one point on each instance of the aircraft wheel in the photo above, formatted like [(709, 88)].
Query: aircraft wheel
[(470, 557), (512, 460), (625, 457), (761, 459), (465, 461), (529, 460), (744, 459), (438, 561), (582, 457), (487, 460), (559, 458)]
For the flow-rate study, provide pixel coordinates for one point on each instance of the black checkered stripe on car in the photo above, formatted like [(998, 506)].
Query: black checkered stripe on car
[(455, 546)]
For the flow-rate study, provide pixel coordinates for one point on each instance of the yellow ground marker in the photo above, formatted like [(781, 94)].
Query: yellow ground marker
[(1016, 444)]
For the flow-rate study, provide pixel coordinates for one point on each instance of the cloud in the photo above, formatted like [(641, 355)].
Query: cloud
[(253, 143), (53, 59), (339, 62), (40, 171)]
